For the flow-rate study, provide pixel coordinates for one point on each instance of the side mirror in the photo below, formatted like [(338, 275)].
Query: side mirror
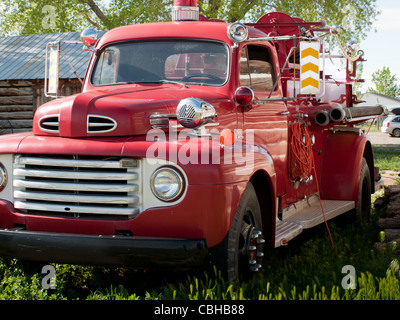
[(89, 37)]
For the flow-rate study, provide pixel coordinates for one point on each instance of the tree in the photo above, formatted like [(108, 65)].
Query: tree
[(28, 17), (385, 83)]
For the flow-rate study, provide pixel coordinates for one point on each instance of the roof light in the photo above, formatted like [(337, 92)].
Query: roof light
[(185, 10), (238, 32)]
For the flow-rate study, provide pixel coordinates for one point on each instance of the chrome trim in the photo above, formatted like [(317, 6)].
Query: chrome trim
[(185, 13), (161, 121), (3, 177), (113, 125), (50, 124)]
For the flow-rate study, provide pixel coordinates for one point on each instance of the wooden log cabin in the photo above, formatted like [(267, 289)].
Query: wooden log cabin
[(22, 73)]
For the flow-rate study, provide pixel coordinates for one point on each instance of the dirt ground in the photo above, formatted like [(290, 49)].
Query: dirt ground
[(380, 138), (389, 177)]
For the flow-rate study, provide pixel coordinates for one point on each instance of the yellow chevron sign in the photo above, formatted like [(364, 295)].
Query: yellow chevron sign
[(309, 67)]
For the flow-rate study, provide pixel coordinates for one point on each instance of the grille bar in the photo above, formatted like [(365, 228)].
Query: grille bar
[(77, 184), (82, 175), (49, 185), (42, 161), (98, 210), (60, 197)]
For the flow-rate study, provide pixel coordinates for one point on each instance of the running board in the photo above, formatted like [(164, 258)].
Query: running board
[(307, 214)]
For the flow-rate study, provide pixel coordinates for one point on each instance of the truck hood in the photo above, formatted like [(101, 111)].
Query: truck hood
[(116, 112)]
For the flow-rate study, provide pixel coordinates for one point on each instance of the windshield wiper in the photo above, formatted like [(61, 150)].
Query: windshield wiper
[(172, 81), (155, 81)]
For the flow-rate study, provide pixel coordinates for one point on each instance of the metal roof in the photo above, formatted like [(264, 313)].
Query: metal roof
[(23, 57)]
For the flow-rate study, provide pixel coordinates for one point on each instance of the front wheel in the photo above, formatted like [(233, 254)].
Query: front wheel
[(363, 208), (240, 253)]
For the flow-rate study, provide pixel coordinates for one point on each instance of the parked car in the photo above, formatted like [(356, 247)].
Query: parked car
[(391, 125)]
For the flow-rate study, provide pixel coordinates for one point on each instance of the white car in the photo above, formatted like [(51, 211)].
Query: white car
[(391, 125)]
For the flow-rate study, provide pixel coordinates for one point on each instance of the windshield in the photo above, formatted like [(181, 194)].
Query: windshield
[(192, 62)]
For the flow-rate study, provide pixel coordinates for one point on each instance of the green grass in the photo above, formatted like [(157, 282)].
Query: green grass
[(387, 158), (307, 269)]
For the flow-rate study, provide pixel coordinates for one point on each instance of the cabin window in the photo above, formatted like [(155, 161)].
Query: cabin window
[(256, 70)]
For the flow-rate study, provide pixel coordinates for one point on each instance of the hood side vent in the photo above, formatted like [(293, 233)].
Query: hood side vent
[(50, 123), (100, 124)]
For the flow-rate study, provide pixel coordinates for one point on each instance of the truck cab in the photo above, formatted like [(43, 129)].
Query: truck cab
[(190, 144)]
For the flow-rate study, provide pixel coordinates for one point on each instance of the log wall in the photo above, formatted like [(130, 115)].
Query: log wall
[(19, 100)]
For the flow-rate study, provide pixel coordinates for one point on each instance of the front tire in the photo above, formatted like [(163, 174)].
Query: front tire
[(240, 253), (363, 208)]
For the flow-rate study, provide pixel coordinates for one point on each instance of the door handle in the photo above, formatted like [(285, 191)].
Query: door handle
[(284, 113)]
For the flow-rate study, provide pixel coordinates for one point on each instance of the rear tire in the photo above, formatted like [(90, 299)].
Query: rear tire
[(240, 253), (396, 133), (363, 208)]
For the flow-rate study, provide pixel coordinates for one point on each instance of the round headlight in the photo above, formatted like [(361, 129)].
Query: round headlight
[(166, 184), (3, 177)]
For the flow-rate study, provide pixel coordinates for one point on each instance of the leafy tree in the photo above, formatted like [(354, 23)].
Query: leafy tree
[(385, 83), (29, 17)]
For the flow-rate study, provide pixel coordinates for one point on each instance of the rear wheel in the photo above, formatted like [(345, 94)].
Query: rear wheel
[(363, 208), (240, 253), (396, 133)]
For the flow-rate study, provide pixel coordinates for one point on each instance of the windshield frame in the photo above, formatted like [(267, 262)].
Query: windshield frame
[(163, 81)]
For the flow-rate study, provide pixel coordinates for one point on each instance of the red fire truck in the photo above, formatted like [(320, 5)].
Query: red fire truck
[(193, 142)]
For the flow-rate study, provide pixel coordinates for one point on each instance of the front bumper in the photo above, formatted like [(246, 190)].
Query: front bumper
[(138, 252)]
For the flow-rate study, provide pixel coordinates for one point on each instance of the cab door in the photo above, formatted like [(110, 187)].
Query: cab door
[(268, 119)]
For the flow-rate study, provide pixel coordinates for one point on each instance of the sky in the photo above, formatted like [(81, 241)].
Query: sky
[(382, 48)]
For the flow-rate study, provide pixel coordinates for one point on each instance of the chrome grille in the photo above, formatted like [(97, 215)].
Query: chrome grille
[(76, 185)]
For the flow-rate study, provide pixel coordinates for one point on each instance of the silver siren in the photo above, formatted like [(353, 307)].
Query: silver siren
[(194, 112)]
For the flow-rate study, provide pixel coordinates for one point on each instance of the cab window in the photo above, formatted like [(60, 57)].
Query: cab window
[(256, 69)]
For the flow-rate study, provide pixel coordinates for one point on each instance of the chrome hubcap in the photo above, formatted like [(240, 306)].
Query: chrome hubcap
[(255, 250)]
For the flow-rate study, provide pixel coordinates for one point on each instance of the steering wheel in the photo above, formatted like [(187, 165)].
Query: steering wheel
[(200, 75)]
